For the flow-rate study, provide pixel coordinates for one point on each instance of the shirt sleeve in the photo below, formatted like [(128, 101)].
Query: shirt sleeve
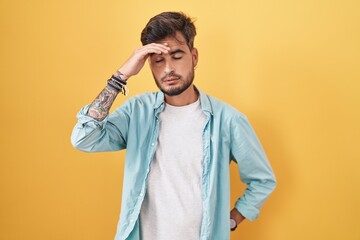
[(91, 135), (254, 168)]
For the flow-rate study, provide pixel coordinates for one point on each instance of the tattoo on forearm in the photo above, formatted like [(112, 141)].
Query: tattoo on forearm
[(100, 107)]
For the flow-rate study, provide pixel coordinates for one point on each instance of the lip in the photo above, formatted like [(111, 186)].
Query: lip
[(171, 80)]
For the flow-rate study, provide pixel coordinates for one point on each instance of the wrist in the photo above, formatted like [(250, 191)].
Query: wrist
[(118, 83), (120, 74)]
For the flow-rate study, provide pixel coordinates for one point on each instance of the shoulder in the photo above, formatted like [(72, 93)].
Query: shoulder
[(223, 109)]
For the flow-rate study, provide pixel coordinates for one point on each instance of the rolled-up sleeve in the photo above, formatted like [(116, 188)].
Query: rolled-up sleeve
[(254, 168), (91, 135)]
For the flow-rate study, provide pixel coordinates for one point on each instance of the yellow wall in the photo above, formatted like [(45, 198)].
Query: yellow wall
[(293, 67)]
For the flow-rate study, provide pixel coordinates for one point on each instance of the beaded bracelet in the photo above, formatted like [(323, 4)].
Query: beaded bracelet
[(118, 84), (119, 79)]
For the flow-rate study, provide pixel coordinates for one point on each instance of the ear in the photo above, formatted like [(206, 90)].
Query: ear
[(195, 56)]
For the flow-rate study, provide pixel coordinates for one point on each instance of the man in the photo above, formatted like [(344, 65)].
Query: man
[(179, 144)]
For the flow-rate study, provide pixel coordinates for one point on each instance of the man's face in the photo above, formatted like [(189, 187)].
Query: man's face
[(174, 72)]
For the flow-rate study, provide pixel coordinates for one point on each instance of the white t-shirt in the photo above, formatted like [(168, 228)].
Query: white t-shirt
[(172, 208)]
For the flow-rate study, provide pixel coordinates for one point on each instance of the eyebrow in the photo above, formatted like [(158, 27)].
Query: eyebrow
[(170, 53), (177, 51)]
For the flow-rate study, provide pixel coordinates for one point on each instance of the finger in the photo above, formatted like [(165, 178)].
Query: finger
[(166, 45), (153, 49), (159, 46)]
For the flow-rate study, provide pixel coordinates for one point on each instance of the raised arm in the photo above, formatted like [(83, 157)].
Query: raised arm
[(100, 107), (93, 132)]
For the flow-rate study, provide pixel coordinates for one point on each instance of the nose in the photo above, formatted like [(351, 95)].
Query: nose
[(169, 67)]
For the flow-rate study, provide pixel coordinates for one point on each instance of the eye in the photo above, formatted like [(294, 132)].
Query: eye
[(177, 56), (159, 60)]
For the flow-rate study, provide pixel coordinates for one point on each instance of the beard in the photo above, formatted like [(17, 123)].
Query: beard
[(178, 88)]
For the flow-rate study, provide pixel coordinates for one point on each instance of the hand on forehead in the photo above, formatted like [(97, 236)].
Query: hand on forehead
[(174, 41)]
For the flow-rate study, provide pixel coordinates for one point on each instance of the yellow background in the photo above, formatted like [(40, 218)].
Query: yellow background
[(293, 67)]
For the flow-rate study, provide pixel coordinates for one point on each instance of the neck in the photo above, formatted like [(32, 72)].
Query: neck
[(190, 95)]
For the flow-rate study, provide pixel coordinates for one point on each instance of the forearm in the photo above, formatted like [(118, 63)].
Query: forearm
[(90, 135), (100, 107)]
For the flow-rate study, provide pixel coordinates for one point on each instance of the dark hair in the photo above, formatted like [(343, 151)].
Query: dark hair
[(167, 24)]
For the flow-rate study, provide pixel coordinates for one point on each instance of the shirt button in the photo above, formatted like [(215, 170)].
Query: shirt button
[(141, 194), (152, 144), (131, 220)]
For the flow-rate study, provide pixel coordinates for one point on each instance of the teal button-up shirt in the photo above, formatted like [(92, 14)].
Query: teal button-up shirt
[(227, 135)]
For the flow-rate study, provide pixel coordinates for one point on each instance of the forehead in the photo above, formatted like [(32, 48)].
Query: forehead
[(177, 41)]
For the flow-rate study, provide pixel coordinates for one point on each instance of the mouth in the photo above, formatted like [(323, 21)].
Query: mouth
[(171, 80)]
